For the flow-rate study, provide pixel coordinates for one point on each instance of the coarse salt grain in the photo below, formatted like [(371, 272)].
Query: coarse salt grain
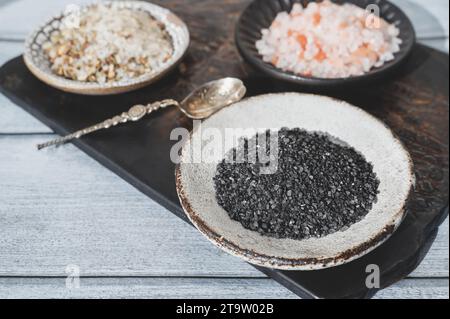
[(327, 40)]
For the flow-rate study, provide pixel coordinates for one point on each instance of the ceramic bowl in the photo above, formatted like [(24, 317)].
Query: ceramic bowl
[(369, 136)]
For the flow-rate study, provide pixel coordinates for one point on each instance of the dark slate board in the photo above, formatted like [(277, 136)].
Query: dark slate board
[(413, 102)]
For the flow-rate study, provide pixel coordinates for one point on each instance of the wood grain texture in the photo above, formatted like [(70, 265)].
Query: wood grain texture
[(438, 255), (137, 288), (432, 21), (194, 288), (108, 228), (18, 20)]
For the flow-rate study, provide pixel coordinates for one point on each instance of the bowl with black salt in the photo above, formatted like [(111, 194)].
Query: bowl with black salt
[(294, 181)]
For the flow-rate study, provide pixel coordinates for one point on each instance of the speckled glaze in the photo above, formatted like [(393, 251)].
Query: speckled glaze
[(39, 64), (372, 138)]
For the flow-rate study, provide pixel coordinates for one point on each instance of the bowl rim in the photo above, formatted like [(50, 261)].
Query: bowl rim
[(308, 264), (116, 87), (279, 74)]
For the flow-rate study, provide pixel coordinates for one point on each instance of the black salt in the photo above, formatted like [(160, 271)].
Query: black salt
[(321, 186)]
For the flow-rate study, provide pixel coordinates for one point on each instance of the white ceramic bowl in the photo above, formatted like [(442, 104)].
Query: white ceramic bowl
[(38, 63), (366, 134)]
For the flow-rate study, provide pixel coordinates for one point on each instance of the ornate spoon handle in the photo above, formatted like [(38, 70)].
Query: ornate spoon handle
[(134, 114)]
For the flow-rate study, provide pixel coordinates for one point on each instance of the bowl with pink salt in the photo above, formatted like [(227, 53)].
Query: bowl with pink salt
[(326, 42)]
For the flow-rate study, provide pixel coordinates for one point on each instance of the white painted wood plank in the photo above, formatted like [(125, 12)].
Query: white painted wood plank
[(17, 19), (193, 288), (136, 288), (13, 119), (9, 50), (60, 207), (438, 44), (73, 240), (438, 255), (416, 289)]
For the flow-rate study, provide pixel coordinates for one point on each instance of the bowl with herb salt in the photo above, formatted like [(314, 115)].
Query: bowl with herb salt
[(109, 47), (294, 181)]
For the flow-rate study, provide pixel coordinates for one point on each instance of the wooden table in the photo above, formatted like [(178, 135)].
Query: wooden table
[(60, 208)]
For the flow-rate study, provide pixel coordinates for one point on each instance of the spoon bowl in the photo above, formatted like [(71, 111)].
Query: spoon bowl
[(211, 97)]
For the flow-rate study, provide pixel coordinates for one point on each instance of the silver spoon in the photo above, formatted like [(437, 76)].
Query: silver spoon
[(200, 104)]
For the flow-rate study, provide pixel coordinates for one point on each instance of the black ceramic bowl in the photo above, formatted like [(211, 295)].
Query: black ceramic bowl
[(261, 13)]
